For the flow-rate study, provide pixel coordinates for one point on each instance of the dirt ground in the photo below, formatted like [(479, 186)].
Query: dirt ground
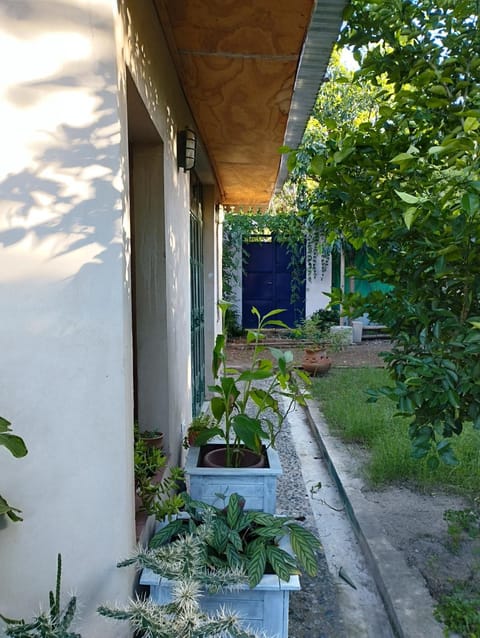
[(413, 521), (356, 356)]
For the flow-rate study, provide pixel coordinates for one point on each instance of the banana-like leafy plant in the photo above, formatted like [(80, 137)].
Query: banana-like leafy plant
[(248, 406)]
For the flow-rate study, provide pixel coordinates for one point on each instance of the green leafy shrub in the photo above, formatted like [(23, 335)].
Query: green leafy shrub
[(245, 540), (460, 611)]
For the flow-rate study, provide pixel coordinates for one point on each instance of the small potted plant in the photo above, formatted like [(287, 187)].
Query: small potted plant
[(248, 410), (153, 438), (315, 359), (270, 551), (156, 486), (319, 331), (204, 422)]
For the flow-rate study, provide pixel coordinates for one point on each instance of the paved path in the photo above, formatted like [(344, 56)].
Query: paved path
[(327, 606)]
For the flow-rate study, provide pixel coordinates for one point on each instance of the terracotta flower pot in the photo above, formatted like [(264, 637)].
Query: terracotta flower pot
[(316, 362), (256, 484), (246, 458)]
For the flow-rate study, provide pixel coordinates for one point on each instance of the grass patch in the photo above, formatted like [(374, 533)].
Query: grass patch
[(375, 426), (460, 611)]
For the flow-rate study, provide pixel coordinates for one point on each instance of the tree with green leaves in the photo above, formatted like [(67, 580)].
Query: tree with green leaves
[(404, 185)]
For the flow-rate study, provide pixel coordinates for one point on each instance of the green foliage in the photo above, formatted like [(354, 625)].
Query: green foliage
[(316, 328), (232, 323), (16, 446), (263, 386), (246, 540), (460, 612), (148, 459), (281, 224), (343, 395), (54, 624), (159, 495), (325, 318), (462, 522), (405, 184)]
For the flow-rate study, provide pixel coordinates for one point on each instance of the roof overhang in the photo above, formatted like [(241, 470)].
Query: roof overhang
[(250, 71)]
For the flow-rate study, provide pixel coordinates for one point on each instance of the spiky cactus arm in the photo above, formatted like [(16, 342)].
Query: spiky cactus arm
[(181, 621), (186, 558), (43, 627)]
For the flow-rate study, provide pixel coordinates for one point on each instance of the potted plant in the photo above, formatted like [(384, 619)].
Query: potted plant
[(153, 438), (270, 551), (182, 615), (321, 336), (203, 422), (156, 486), (248, 410), (315, 359)]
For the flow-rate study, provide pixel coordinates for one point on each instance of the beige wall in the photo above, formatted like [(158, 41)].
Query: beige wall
[(65, 291)]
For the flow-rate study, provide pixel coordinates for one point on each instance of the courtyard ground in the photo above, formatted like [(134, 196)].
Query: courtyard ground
[(412, 521)]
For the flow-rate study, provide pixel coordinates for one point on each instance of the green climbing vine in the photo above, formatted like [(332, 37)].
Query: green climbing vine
[(302, 240)]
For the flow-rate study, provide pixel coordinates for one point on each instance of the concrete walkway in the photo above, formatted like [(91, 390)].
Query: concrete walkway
[(406, 600)]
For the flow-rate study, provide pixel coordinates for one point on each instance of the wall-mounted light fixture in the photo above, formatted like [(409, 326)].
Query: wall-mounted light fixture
[(186, 149)]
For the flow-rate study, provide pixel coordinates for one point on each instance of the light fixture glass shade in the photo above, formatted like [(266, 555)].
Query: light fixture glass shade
[(186, 149)]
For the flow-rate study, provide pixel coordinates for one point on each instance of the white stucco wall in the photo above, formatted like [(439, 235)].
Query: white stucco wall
[(316, 288), (65, 291), (152, 70), (65, 333)]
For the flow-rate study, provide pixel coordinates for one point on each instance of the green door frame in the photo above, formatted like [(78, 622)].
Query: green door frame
[(197, 335)]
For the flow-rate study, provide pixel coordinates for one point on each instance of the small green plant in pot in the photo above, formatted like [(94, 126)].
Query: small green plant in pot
[(249, 407), (200, 424), (156, 486)]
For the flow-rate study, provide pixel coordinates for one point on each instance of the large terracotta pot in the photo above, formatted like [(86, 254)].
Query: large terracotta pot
[(316, 362), (245, 458), (256, 484)]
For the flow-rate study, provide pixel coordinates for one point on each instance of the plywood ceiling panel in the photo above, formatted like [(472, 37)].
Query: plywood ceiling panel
[(237, 61)]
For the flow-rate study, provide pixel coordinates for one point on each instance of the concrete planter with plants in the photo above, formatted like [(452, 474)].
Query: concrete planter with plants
[(257, 485), (263, 608), (247, 410), (266, 553)]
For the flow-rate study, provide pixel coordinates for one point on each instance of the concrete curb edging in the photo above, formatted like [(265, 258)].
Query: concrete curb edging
[(407, 601)]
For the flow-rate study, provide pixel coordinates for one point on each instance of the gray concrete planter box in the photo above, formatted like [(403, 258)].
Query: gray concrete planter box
[(257, 485), (264, 608)]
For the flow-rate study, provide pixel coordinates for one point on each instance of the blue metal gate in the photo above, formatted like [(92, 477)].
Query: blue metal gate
[(267, 283)]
